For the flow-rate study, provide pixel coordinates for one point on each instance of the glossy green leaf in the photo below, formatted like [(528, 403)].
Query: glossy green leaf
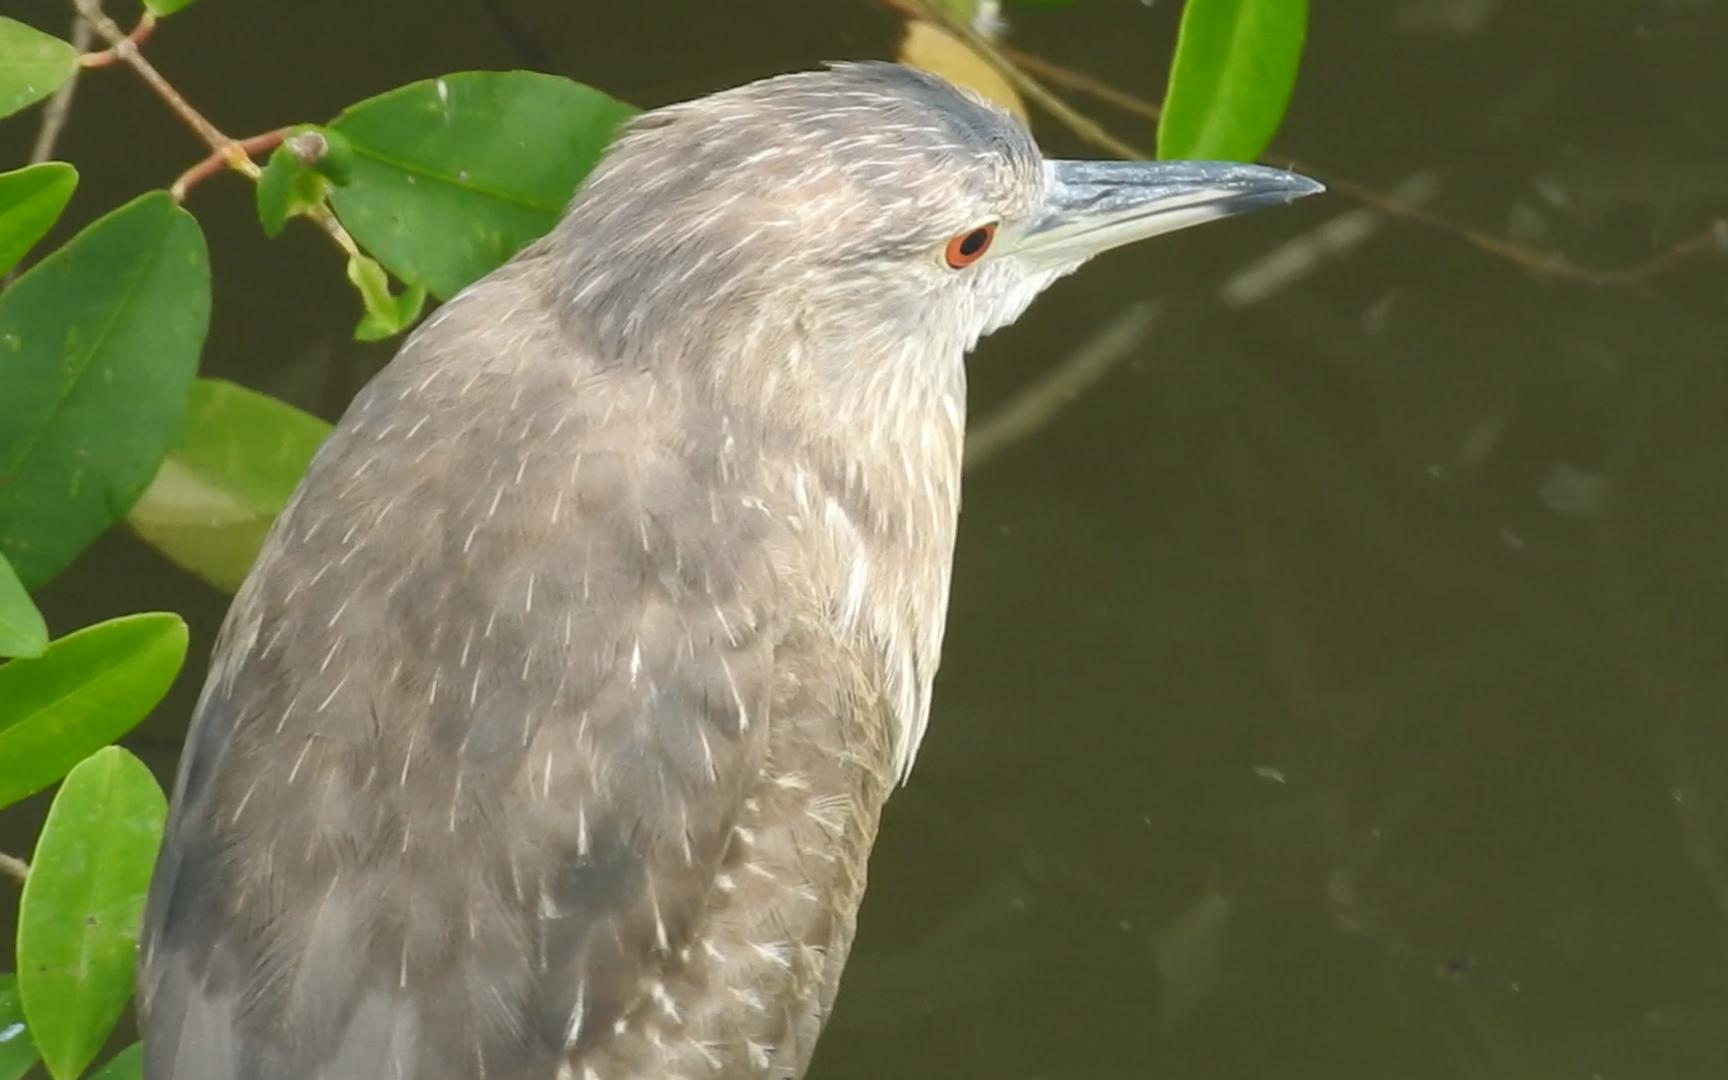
[(167, 7), (98, 345), (78, 919), (22, 631), (86, 690), (230, 471), (17, 1052), (451, 176), (128, 1064), (1231, 80), (32, 65), (31, 199)]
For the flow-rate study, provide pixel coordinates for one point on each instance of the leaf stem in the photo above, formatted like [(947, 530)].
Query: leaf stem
[(216, 161), (14, 867)]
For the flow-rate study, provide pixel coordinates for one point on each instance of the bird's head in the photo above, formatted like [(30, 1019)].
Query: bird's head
[(870, 207)]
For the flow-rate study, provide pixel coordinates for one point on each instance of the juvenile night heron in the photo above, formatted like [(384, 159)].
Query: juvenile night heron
[(548, 737)]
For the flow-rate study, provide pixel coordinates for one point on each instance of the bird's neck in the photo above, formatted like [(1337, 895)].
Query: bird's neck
[(874, 424)]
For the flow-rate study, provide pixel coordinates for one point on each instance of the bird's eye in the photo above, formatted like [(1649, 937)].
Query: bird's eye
[(968, 247)]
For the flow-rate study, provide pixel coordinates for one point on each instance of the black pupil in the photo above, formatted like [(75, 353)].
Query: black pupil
[(974, 242)]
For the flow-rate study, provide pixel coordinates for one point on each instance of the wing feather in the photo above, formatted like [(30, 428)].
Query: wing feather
[(476, 732)]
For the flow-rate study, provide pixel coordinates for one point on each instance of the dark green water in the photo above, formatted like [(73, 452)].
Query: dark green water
[(1341, 689)]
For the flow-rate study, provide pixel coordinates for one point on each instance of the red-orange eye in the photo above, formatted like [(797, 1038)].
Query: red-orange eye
[(970, 246)]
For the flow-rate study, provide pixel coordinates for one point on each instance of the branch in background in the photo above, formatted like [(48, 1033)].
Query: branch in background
[(14, 867), (1038, 404), (519, 34), (54, 116), (59, 107), (1015, 64), (1079, 123)]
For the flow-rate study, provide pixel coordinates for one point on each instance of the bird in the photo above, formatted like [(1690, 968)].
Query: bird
[(548, 737)]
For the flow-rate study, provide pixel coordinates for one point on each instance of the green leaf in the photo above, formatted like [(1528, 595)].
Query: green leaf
[(128, 1064), (83, 902), (451, 176), (31, 199), (167, 7), (17, 1052), (98, 346), (32, 65), (88, 689), (287, 189), (1231, 80), (386, 315), (230, 471), (22, 631)]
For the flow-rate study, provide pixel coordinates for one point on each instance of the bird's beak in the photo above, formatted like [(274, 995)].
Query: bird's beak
[(1093, 206)]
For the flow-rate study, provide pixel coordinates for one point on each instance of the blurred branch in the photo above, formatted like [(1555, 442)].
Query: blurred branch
[(1038, 404), (519, 34), (14, 867), (1015, 65), (1079, 123), (55, 115), (59, 107)]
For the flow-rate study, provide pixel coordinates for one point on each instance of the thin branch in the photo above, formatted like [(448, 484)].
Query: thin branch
[(127, 51), (1034, 407), (230, 152), (215, 162), (109, 57), (14, 867), (59, 107)]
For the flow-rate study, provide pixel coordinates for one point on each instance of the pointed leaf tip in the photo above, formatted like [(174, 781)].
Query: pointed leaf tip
[(32, 65), (1232, 77)]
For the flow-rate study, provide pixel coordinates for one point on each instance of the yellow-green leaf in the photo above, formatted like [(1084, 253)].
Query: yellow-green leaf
[(288, 187), (385, 314), (167, 7), (32, 65), (22, 631), (230, 471), (99, 343), (128, 1064), (83, 902), (31, 199), (85, 690), (1231, 80)]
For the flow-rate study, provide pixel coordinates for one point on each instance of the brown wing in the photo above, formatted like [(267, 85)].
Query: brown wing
[(476, 733)]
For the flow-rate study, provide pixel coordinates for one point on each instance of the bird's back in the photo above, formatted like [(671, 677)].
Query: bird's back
[(533, 747)]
